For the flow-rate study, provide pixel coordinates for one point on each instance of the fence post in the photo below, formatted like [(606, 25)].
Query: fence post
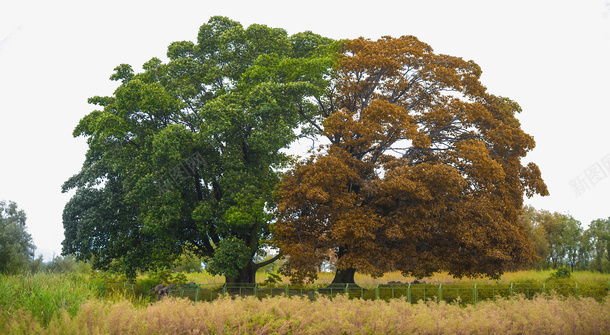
[(512, 293), (224, 290), (408, 293), (287, 290), (475, 295), (347, 288), (377, 292), (256, 290), (197, 293), (440, 292), (543, 287), (576, 289)]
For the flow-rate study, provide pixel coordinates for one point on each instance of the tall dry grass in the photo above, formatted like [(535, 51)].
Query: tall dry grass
[(542, 315)]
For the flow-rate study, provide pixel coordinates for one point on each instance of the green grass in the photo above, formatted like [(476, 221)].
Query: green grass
[(43, 295)]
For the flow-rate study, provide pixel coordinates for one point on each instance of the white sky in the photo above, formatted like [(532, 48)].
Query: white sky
[(552, 57)]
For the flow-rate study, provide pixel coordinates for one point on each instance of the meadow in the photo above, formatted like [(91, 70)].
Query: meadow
[(68, 304), (529, 276)]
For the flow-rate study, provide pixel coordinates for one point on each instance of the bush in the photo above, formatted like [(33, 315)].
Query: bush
[(560, 273), (272, 279), (167, 277)]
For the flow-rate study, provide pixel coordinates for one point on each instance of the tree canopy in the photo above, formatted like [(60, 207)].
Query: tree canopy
[(185, 155), (16, 247), (422, 171), (560, 240)]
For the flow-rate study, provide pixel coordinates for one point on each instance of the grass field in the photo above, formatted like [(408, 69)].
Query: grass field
[(529, 276), (67, 304)]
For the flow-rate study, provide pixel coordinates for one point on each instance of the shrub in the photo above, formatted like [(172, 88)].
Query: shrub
[(560, 273)]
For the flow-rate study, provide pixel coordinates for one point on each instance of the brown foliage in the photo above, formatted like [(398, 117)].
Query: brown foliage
[(423, 171)]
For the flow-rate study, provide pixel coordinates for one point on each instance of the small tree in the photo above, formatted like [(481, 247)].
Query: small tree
[(16, 247)]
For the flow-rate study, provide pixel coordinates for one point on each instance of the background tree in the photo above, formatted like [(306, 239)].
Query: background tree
[(584, 250), (184, 156), (572, 237), (533, 222), (553, 226), (558, 238), (16, 247), (599, 234), (423, 171)]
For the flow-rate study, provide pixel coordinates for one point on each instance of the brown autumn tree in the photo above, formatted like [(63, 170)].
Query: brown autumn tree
[(422, 172)]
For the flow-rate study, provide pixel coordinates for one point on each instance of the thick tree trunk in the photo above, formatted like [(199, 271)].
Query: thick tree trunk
[(344, 276), (246, 276)]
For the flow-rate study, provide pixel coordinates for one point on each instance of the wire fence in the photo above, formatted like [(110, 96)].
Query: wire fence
[(113, 288), (460, 293)]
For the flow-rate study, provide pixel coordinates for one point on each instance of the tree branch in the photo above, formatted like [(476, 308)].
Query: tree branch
[(257, 266)]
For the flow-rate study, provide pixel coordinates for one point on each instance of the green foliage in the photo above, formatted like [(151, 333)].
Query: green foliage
[(560, 273), (36, 265), (98, 276), (560, 240), (272, 279), (188, 263), (43, 295), (16, 247), (167, 277), (67, 264), (599, 235), (231, 256), (183, 158)]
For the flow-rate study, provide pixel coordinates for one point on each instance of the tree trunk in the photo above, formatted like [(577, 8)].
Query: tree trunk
[(246, 275), (344, 276)]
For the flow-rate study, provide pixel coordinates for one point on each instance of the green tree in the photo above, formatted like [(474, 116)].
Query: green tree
[(599, 234), (183, 158), (553, 227), (16, 247), (557, 237), (571, 239), (584, 250)]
